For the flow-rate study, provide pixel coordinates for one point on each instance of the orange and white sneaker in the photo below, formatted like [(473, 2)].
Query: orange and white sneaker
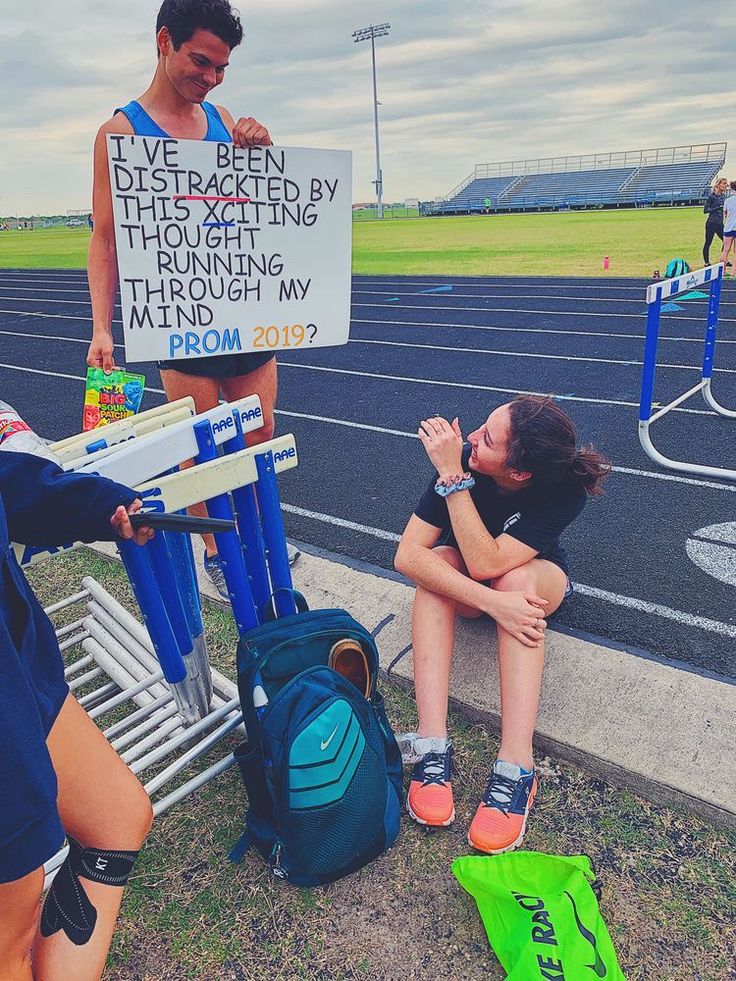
[(500, 821), (430, 798)]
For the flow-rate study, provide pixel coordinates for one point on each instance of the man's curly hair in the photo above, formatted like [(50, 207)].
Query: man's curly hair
[(183, 17)]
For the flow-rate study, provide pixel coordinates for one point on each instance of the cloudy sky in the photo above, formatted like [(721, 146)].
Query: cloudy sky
[(461, 82)]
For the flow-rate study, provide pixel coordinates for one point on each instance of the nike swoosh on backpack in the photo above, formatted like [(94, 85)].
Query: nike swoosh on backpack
[(323, 746)]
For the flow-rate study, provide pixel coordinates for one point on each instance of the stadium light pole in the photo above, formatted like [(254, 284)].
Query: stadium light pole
[(365, 34)]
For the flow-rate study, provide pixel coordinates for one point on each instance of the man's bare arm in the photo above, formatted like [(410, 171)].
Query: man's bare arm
[(102, 259)]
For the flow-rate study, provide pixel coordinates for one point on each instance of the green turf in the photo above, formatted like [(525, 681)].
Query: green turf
[(44, 248), (560, 244)]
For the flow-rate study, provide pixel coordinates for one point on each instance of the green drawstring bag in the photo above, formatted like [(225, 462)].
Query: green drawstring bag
[(541, 915)]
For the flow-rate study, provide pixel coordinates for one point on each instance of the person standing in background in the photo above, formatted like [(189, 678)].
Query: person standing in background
[(714, 210), (729, 225)]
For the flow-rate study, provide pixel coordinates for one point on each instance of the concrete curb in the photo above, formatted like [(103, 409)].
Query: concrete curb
[(662, 732)]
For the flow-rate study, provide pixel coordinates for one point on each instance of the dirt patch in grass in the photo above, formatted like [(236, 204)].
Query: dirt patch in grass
[(668, 877)]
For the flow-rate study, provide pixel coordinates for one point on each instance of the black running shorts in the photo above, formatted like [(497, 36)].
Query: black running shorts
[(219, 366)]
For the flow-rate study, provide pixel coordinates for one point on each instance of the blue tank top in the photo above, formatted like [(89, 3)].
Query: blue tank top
[(143, 125)]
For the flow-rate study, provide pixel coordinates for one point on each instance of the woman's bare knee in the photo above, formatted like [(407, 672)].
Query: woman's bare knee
[(133, 825), (520, 579)]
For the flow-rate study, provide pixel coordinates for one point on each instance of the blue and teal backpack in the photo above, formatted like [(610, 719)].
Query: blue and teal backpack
[(676, 267), (321, 767)]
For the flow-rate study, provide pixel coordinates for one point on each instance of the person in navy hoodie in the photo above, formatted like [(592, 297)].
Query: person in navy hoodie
[(61, 778), (194, 40)]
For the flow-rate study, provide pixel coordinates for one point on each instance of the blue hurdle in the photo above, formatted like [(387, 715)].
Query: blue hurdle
[(656, 294)]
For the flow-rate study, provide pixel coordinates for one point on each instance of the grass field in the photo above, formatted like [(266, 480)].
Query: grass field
[(560, 244), (668, 877)]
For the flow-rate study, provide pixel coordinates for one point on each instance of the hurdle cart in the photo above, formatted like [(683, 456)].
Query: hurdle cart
[(148, 683)]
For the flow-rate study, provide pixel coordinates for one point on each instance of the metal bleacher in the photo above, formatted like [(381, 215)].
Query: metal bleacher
[(687, 181), (669, 175)]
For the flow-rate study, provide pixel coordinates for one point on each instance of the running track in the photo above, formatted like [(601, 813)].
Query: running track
[(355, 410)]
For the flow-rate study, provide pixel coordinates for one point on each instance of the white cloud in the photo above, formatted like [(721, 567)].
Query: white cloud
[(463, 83)]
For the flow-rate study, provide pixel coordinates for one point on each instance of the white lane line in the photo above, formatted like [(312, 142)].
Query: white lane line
[(675, 478), (630, 471), (61, 374), (505, 296), (430, 347), (415, 381), (421, 323), (471, 296), (52, 316), (361, 279), (410, 306), (42, 279), (48, 300), (630, 602), (42, 289), (478, 388), (559, 313), (656, 609), (530, 354), (486, 283), (388, 536), (51, 337), (346, 422), (77, 276), (517, 330)]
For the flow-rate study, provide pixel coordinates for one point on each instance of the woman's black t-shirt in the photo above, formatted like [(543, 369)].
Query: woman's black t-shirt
[(536, 515)]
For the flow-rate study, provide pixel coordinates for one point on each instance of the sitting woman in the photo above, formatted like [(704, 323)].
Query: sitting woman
[(485, 539)]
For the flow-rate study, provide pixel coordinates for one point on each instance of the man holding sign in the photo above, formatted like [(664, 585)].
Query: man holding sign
[(194, 39)]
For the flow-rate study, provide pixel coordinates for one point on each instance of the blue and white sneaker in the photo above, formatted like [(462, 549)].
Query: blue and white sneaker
[(500, 821), (213, 568)]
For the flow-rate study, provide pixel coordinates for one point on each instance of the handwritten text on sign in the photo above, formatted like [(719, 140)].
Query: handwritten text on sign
[(224, 250)]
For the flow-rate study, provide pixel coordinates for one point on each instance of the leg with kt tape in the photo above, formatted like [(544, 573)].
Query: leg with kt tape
[(138, 566), (67, 906), (228, 543), (273, 529), (249, 526)]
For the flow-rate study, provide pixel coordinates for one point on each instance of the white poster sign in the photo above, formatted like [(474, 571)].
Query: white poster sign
[(223, 250)]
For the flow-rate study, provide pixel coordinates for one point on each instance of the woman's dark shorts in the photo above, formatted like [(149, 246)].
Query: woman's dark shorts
[(219, 366)]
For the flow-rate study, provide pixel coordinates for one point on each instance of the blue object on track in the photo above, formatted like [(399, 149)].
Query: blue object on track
[(671, 307), (438, 289)]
